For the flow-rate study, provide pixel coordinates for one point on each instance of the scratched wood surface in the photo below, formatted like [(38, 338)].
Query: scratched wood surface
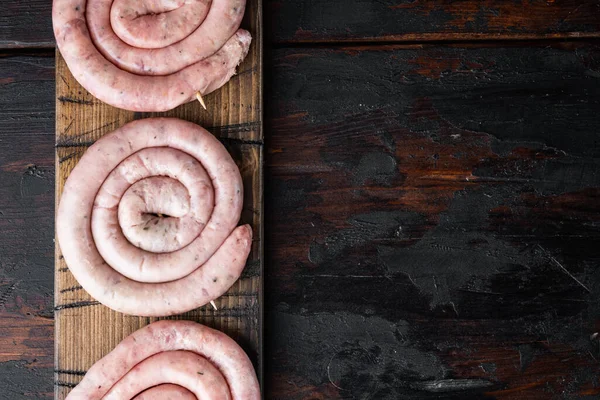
[(86, 330), (293, 22), (433, 222), (310, 21), (432, 208), (26, 224)]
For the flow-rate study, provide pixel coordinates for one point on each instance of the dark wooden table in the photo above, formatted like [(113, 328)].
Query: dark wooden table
[(432, 201)]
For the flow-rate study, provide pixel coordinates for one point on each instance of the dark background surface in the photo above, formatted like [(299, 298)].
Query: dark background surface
[(432, 202)]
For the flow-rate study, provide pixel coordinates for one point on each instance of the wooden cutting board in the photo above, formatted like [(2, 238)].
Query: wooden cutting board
[(85, 330)]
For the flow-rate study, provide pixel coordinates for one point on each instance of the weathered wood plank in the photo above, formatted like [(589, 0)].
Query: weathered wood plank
[(86, 330), (433, 20), (433, 222), (28, 24), (26, 225)]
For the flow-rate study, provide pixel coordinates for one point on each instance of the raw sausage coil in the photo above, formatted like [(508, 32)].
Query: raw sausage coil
[(150, 55), (171, 360), (147, 219)]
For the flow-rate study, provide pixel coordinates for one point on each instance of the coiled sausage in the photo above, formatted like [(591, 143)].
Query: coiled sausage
[(171, 360), (150, 55), (147, 219)]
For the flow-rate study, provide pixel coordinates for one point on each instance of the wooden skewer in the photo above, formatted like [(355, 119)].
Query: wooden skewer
[(200, 99), (212, 303)]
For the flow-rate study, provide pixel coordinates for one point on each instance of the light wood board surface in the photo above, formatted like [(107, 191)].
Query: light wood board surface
[(85, 330)]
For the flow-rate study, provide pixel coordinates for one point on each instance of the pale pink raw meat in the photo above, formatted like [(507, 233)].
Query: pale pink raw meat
[(186, 192), (150, 55), (171, 360)]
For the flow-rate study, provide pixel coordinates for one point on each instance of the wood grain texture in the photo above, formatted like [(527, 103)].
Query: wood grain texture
[(433, 222), (28, 23), (432, 210), (430, 20), (86, 330), (26, 225)]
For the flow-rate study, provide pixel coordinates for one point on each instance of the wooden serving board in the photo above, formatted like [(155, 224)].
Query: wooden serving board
[(86, 330)]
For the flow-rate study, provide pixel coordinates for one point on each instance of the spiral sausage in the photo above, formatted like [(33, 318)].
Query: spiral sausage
[(150, 55), (149, 214), (171, 360)]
